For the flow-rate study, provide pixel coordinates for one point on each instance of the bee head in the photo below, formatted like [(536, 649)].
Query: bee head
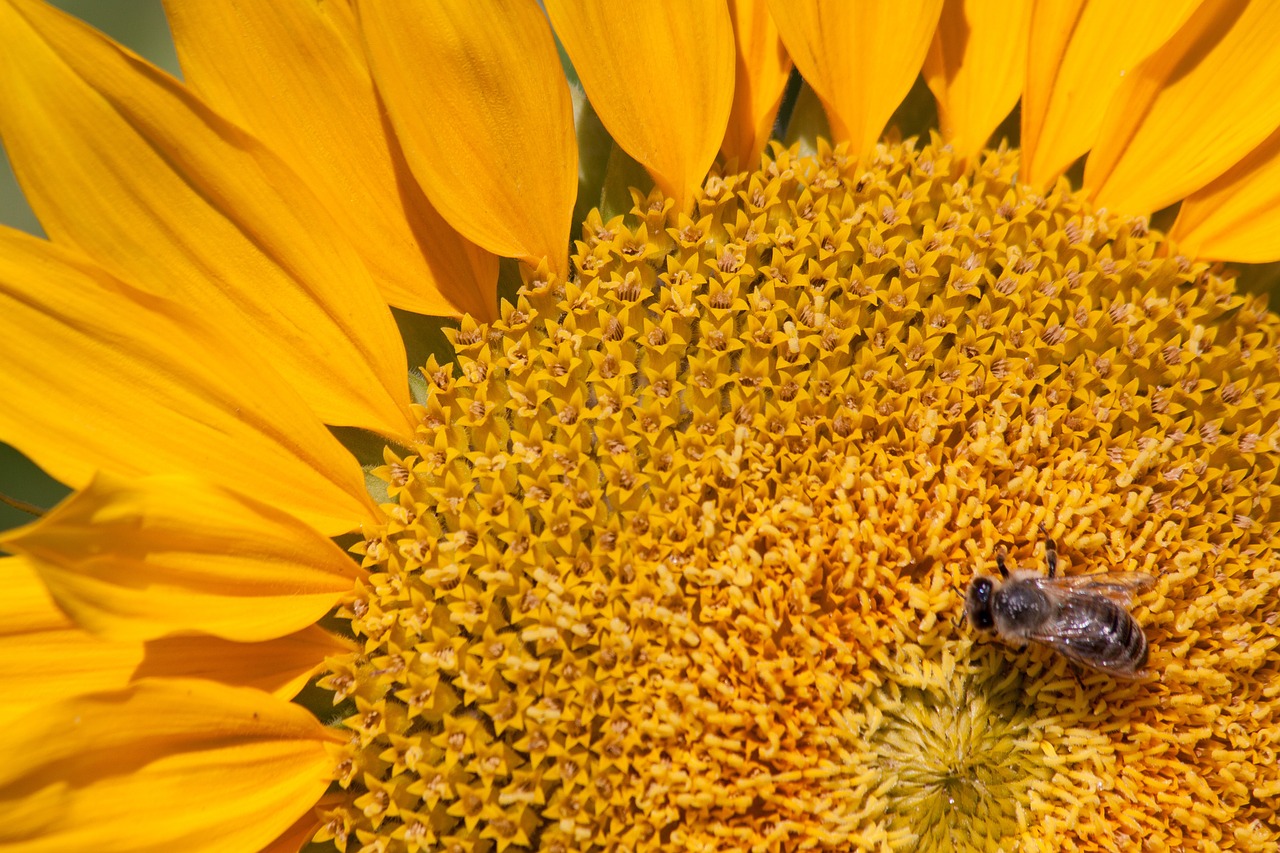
[(977, 603)]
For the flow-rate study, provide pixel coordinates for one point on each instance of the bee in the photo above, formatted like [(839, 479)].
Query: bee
[(1085, 617)]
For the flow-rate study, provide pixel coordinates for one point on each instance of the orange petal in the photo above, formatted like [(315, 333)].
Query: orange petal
[(136, 559), (660, 75), (476, 95), (281, 666), (1191, 110), (861, 58), (1237, 216), (295, 75), (975, 68), (166, 764), (44, 656), (119, 160), (98, 375), (760, 76)]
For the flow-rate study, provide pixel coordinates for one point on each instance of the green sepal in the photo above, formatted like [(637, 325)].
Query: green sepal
[(808, 122)]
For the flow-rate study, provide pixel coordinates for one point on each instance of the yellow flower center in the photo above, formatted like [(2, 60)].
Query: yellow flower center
[(678, 559)]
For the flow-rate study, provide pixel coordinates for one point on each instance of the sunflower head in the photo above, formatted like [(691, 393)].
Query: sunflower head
[(679, 553), (667, 548)]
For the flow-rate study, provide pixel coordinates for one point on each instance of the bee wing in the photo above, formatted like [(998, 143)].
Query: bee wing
[(1074, 633), (1119, 668), (1120, 587)]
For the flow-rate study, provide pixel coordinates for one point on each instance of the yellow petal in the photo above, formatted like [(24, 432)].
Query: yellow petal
[(162, 765), (975, 68), (299, 835), (660, 75), (295, 75), (44, 656), (476, 95), (1237, 216), (137, 559), (1058, 87), (1191, 110), (861, 58), (1079, 55), (281, 666), (760, 76), (98, 375), (119, 160)]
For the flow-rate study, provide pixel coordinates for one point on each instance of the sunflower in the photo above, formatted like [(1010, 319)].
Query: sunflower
[(664, 548)]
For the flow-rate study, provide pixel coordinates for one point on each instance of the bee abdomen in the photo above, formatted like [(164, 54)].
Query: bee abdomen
[(1125, 643)]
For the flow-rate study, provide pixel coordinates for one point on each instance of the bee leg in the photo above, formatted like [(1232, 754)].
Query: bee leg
[(1000, 555), (1050, 552), (1075, 670)]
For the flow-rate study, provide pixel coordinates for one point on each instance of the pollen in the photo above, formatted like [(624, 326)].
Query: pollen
[(678, 557)]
